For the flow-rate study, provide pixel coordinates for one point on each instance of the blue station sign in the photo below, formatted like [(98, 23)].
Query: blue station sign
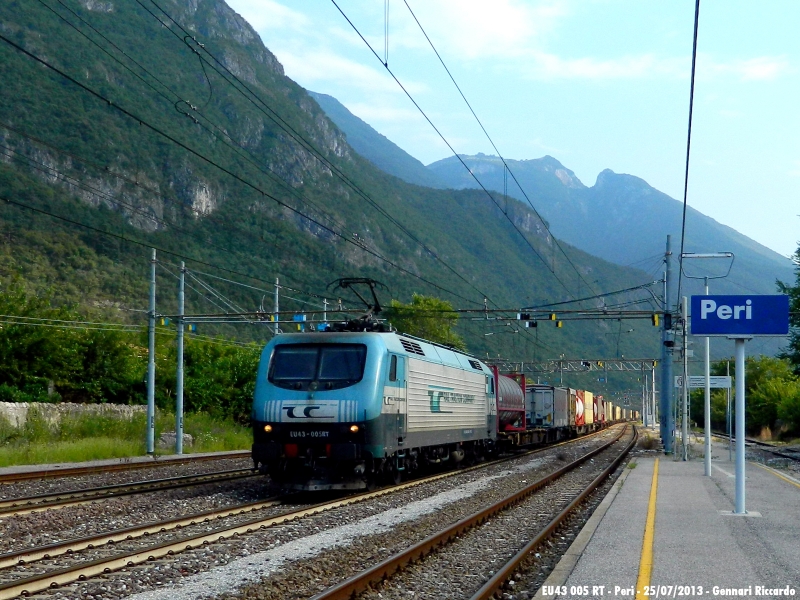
[(740, 315)]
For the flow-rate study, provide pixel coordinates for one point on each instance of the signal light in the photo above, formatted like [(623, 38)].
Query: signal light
[(667, 320), (354, 428), (268, 428), (552, 316), (523, 317), (654, 318), (559, 324)]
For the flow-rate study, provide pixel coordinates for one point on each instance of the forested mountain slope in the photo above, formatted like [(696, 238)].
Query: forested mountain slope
[(124, 126)]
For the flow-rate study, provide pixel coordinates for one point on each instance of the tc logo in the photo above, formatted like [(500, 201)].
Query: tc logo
[(306, 412), (436, 402)]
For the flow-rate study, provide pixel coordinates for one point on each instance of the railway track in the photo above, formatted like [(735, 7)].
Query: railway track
[(106, 467), (381, 575), (206, 528), (39, 502), (767, 447)]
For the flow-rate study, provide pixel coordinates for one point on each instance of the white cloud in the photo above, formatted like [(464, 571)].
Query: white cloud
[(472, 29), (552, 66), (314, 68), (761, 68), (267, 14)]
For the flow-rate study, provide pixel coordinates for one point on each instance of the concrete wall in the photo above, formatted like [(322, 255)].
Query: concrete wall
[(16, 413)]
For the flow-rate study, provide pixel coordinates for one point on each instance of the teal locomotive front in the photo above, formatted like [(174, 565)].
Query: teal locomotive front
[(339, 410)]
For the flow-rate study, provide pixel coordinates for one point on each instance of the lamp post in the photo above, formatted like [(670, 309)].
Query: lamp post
[(707, 365)]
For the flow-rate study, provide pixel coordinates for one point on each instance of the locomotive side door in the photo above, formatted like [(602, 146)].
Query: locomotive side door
[(398, 381)]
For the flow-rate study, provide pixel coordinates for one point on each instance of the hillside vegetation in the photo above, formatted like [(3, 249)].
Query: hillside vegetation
[(120, 132)]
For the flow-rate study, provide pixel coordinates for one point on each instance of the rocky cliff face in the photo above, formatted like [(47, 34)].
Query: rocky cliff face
[(150, 186)]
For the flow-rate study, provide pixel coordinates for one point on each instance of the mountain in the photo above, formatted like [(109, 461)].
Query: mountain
[(123, 129), (624, 220), (620, 219), (382, 152)]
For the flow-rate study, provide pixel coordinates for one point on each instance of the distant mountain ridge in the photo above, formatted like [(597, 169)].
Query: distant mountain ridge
[(621, 218)]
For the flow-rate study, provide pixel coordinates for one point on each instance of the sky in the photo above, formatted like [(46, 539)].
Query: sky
[(596, 84)]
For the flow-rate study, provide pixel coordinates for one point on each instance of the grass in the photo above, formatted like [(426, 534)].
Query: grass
[(95, 437), (648, 442)]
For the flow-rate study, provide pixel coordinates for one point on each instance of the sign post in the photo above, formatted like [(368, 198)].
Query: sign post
[(740, 318)]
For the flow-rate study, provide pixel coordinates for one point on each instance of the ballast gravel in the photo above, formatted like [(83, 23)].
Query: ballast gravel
[(57, 484), (39, 528), (299, 558)]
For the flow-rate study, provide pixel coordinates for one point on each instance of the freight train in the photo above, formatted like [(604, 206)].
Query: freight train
[(347, 410)]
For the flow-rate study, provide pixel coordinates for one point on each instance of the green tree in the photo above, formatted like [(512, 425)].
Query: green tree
[(792, 353), (789, 407), (426, 317), (768, 381)]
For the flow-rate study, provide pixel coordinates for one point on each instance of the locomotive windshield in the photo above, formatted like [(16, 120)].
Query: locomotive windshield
[(317, 366)]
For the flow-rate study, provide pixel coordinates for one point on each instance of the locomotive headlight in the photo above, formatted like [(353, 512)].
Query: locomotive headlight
[(268, 428), (354, 428)]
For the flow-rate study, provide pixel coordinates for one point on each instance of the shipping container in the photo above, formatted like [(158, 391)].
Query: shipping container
[(548, 406), (599, 409), (576, 399), (588, 407)]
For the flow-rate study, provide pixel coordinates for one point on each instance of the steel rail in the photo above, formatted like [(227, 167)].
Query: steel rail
[(765, 446), (351, 587), (85, 570), (29, 555), (41, 502), (47, 551), (88, 470), (491, 587)]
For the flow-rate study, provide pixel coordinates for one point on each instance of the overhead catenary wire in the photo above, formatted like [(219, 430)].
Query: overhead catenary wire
[(176, 100), (506, 168), (268, 111), (225, 170), (449, 145), (211, 265), (191, 287), (461, 160), (305, 292), (688, 148), (77, 183)]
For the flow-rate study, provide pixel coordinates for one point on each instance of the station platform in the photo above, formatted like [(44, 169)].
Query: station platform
[(699, 548)]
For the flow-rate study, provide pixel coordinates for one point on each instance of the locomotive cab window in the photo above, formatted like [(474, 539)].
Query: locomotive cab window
[(317, 366), (393, 368)]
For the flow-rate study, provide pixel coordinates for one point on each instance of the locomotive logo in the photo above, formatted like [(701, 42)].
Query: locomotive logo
[(446, 395), (436, 401), (307, 410)]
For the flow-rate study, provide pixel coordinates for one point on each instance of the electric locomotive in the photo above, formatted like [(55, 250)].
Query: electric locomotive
[(345, 410)]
